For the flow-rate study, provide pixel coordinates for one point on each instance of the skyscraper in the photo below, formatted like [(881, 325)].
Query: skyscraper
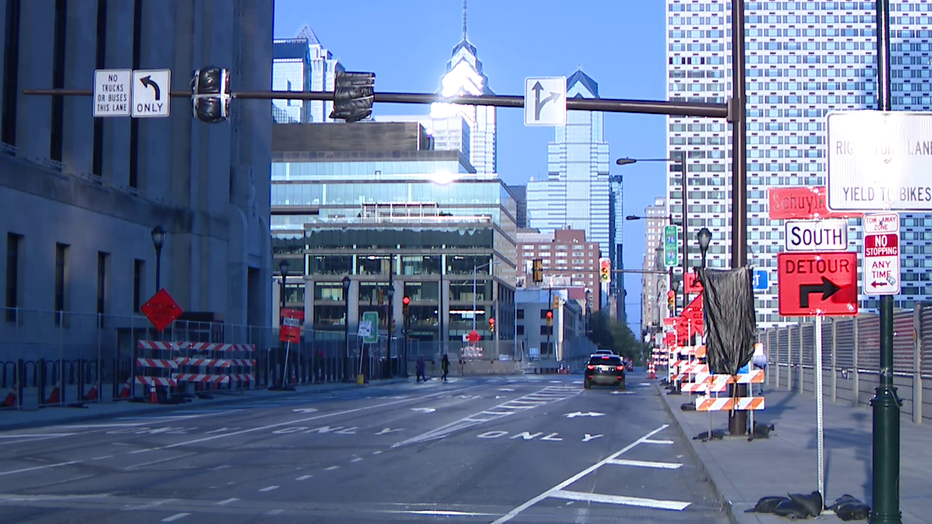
[(576, 191), (653, 286), (804, 59), (464, 76), (302, 64)]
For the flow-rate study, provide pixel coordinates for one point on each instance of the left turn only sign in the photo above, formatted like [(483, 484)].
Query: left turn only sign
[(151, 92)]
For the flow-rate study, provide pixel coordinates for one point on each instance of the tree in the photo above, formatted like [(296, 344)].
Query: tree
[(609, 333)]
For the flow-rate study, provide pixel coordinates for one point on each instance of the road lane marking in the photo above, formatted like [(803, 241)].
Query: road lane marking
[(618, 499), (378, 452), (665, 442), (36, 468), (559, 487), (440, 513), (304, 477), (276, 512), (227, 501), (175, 517), (589, 437), (357, 459), (218, 468), (268, 488), (102, 457), (645, 464), (292, 422), (151, 462), (331, 468), (38, 435)]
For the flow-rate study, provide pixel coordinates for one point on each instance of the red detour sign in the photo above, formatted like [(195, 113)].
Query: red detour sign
[(802, 202), (813, 284), (473, 336), (161, 310), (692, 283), (291, 325)]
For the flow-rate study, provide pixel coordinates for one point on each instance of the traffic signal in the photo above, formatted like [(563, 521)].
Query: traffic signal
[(210, 94), (405, 302), (537, 271), (605, 270), (556, 302), (671, 299), (549, 317), (353, 93), (491, 325)]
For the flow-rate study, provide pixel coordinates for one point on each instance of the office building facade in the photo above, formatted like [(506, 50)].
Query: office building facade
[(81, 196), (568, 260), (576, 191), (653, 286), (804, 59), (303, 64)]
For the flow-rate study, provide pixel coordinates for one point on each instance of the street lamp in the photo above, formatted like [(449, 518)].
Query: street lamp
[(346, 286), (283, 268), (682, 163), (704, 236), (158, 238)]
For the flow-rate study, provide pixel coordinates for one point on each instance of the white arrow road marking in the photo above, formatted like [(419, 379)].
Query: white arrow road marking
[(581, 414), (424, 410), (589, 437), (304, 410), (386, 431)]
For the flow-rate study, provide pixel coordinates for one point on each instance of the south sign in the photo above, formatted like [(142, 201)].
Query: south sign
[(816, 235)]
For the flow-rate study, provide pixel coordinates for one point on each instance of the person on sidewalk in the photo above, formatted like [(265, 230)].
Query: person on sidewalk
[(420, 369), (445, 366)]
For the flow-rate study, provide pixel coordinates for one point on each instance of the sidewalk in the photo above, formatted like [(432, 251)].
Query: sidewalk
[(742, 472), (27, 418)]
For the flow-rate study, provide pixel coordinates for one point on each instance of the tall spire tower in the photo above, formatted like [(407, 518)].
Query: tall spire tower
[(464, 76)]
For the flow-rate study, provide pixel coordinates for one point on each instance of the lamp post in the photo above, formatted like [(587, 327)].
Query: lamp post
[(346, 287), (283, 268), (391, 313), (682, 163), (704, 236), (158, 238)]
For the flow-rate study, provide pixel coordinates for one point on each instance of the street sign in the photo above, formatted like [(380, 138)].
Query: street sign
[(112, 91), (473, 336), (372, 319), (692, 284), (882, 254), (817, 235), (291, 325), (671, 246), (812, 284), (151, 92), (879, 161), (161, 310), (545, 101), (802, 202), (761, 280)]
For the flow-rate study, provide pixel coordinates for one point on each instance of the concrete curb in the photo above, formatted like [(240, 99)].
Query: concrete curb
[(142, 407), (707, 466)]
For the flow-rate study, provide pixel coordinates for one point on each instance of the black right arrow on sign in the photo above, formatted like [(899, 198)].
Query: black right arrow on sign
[(827, 288)]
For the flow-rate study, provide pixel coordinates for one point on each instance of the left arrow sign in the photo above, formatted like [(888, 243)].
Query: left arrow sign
[(147, 82)]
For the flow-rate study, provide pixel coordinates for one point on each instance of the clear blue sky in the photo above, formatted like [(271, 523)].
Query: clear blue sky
[(619, 43)]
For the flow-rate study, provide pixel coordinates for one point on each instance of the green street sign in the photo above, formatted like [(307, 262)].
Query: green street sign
[(371, 318), (671, 246)]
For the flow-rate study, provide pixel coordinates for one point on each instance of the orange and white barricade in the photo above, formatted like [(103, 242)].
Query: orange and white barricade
[(209, 365), (707, 403), (156, 369)]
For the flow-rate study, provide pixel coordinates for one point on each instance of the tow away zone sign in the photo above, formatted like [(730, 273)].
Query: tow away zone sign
[(882, 254)]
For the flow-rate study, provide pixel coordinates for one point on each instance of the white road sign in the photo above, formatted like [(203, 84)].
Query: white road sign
[(881, 254), (879, 161), (545, 101), (817, 235), (112, 92), (151, 92)]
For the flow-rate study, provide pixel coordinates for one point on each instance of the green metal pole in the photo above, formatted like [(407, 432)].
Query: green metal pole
[(885, 404)]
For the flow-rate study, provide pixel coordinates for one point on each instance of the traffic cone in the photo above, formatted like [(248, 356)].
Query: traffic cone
[(9, 401), (126, 391), (92, 394), (53, 398), (153, 394)]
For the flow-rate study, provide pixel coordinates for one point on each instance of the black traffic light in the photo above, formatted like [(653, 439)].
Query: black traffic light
[(491, 325), (549, 317), (210, 94), (353, 93), (405, 302), (537, 270), (671, 298)]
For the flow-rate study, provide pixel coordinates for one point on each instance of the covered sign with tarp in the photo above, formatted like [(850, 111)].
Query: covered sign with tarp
[(730, 319)]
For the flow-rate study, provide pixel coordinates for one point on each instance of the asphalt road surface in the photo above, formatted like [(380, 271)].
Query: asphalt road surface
[(492, 450)]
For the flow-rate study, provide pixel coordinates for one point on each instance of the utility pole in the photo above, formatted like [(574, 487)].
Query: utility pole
[(885, 404)]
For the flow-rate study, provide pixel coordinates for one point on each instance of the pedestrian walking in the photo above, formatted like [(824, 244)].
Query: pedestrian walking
[(445, 366), (420, 369)]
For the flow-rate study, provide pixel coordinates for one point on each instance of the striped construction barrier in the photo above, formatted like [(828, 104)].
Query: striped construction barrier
[(196, 378), (729, 404), (155, 345), (700, 384), (211, 346), (155, 381), (156, 363)]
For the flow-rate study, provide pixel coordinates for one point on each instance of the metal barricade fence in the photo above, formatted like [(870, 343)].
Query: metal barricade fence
[(851, 359)]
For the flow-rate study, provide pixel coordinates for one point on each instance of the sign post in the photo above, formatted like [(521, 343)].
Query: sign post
[(290, 332)]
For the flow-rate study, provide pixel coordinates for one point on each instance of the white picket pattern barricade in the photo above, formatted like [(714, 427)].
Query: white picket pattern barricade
[(157, 366), (214, 366)]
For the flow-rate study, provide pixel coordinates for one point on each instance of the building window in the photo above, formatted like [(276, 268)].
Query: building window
[(138, 270), (520, 314), (520, 330), (332, 291), (546, 330), (14, 245), (61, 270), (103, 260)]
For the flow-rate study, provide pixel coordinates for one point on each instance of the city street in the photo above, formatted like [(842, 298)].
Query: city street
[(506, 449)]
